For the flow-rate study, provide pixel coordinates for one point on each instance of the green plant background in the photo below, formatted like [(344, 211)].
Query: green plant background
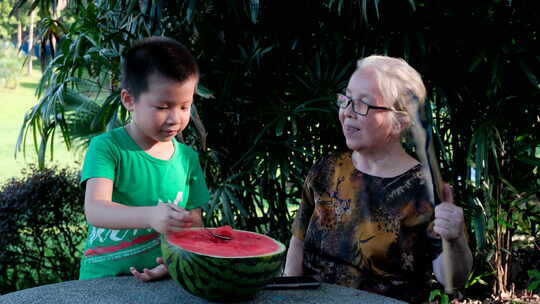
[(266, 91), (13, 105)]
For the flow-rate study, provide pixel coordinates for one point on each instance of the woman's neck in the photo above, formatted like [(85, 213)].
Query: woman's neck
[(388, 161)]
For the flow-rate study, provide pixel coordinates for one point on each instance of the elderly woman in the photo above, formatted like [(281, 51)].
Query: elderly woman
[(366, 220)]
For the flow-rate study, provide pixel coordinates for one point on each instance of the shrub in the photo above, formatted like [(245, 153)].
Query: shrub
[(41, 224)]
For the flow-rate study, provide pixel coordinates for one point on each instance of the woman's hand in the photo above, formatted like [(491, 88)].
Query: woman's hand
[(156, 273), (449, 219), (449, 224), (169, 217)]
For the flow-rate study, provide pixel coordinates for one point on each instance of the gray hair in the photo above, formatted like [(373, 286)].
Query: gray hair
[(399, 83)]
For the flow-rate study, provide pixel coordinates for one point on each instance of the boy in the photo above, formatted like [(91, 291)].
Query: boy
[(139, 180)]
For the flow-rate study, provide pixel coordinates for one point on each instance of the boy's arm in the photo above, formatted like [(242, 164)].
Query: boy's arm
[(196, 217), (101, 211)]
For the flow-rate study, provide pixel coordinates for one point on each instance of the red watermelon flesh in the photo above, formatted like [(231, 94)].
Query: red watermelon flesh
[(224, 231), (243, 243)]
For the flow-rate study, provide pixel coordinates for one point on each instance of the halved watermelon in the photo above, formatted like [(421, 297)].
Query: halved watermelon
[(222, 270)]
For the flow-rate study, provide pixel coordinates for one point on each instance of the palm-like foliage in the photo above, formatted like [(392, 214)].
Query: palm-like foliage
[(87, 64), (273, 69)]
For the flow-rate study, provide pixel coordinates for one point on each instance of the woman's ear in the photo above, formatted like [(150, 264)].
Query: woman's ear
[(127, 100), (402, 122)]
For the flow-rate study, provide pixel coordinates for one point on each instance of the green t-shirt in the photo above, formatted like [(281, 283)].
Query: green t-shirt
[(138, 180)]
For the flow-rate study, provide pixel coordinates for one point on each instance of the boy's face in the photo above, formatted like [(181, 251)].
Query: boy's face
[(163, 110)]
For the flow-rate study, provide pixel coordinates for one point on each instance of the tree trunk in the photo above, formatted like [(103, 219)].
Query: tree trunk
[(31, 41), (503, 259), (19, 32), (503, 243)]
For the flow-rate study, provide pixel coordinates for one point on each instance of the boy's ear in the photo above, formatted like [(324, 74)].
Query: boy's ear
[(127, 100)]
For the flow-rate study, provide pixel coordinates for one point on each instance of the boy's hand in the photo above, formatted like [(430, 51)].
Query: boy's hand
[(169, 217), (156, 273)]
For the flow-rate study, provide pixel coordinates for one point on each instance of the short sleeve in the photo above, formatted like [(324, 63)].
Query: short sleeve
[(426, 212), (434, 244), (99, 160), (305, 211), (198, 193)]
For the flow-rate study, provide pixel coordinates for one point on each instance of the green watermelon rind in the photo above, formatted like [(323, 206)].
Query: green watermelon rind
[(221, 278)]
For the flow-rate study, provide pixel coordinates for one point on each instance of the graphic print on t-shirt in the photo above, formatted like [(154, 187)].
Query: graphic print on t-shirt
[(111, 244)]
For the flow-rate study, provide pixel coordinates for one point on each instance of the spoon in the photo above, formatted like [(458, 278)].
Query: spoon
[(218, 236)]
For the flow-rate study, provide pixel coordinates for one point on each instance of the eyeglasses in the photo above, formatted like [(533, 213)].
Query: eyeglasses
[(359, 106)]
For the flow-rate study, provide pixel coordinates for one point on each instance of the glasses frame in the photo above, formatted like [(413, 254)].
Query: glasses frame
[(345, 105)]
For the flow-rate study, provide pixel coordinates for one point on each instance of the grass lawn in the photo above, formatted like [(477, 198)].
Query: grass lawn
[(14, 103)]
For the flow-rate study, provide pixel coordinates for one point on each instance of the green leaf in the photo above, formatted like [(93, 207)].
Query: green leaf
[(280, 125), (534, 161), (476, 61), (364, 10), (226, 208), (434, 294), (444, 299), (530, 75), (534, 273), (254, 10), (533, 286), (232, 198), (204, 92), (413, 5)]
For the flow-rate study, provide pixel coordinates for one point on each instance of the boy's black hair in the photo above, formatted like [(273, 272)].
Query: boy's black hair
[(162, 55)]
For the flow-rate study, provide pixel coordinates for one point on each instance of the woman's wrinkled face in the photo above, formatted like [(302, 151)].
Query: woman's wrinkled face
[(374, 130)]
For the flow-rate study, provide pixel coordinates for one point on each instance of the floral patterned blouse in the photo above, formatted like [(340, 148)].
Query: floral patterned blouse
[(367, 232)]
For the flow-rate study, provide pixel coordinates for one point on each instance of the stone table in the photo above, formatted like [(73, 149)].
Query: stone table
[(118, 290)]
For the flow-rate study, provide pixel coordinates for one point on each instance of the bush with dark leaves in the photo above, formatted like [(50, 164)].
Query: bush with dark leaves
[(41, 228)]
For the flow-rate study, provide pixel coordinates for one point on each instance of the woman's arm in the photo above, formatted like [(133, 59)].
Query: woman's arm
[(461, 261), (295, 258), (450, 225)]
